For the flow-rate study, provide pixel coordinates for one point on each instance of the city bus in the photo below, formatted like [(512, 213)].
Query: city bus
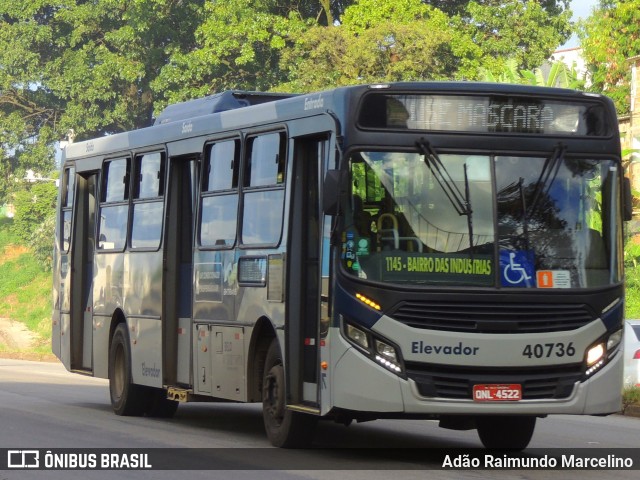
[(433, 250)]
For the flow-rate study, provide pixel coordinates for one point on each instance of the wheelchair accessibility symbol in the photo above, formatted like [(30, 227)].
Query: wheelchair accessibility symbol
[(517, 269)]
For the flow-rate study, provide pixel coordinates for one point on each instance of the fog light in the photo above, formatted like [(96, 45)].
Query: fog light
[(357, 336), (595, 354)]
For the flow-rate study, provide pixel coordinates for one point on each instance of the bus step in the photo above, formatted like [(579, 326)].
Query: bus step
[(304, 409), (178, 394)]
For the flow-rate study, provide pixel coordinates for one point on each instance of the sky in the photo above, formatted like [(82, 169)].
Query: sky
[(580, 9)]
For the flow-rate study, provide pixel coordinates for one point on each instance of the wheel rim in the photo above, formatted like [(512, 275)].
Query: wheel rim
[(118, 374), (273, 394)]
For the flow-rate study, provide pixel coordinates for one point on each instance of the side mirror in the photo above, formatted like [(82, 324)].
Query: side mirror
[(331, 192), (627, 207)]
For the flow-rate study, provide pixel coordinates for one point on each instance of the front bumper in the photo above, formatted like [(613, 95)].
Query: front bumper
[(359, 384)]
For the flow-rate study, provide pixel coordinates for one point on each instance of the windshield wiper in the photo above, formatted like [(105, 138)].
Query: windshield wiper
[(525, 220), (547, 177), (461, 203)]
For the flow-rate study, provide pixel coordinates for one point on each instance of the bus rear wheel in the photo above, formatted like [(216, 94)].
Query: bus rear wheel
[(285, 428), (505, 432), (127, 398)]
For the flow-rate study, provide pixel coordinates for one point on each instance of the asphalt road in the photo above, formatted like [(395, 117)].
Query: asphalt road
[(45, 407)]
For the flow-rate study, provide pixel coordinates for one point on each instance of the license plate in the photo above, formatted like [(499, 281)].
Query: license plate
[(497, 393)]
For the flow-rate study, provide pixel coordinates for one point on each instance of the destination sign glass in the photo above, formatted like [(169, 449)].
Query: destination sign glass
[(484, 114)]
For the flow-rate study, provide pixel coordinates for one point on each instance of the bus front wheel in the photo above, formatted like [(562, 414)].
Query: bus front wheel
[(505, 432), (285, 428), (127, 398)]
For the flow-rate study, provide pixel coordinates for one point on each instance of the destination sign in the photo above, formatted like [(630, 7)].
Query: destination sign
[(416, 267), (483, 114)]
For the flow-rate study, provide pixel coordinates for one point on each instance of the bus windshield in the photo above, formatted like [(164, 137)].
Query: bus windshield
[(419, 217)]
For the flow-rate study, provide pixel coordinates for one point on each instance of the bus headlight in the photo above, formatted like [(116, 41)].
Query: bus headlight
[(614, 340), (595, 354), (382, 351), (357, 336), (599, 354)]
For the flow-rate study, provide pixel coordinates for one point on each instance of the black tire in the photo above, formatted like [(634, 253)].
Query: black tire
[(285, 428), (159, 406), (506, 432), (127, 398)]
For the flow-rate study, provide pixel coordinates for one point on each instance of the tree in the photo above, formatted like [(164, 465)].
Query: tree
[(609, 37), (379, 41), (85, 65), (391, 40), (27, 118), (458, 7), (237, 47), (34, 220), (555, 74), (526, 30)]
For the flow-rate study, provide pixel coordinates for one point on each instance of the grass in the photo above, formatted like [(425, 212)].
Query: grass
[(632, 277), (632, 292), (630, 396), (6, 236), (25, 290)]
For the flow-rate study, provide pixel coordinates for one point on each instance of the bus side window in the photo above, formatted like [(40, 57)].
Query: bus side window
[(264, 190), (148, 190), (266, 160), (219, 208), (67, 206), (114, 205)]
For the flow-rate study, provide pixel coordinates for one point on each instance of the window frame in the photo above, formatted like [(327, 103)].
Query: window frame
[(206, 193), (247, 189), (67, 203), (136, 200), (104, 203)]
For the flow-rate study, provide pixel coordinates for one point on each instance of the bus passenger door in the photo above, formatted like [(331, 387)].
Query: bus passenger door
[(81, 301), (305, 272), (176, 325)]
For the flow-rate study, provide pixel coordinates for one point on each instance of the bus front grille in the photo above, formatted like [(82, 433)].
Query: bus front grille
[(477, 317), (548, 382)]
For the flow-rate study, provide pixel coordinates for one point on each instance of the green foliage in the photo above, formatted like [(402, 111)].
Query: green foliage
[(524, 30), (237, 46), (7, 235), (558, 75), (398, 41), (34, 203), (390, 40), (41, 242), (34, 221), (25, 290), (86, 66), (632, 277), (630, 396), (609, 37), (632, 292)]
